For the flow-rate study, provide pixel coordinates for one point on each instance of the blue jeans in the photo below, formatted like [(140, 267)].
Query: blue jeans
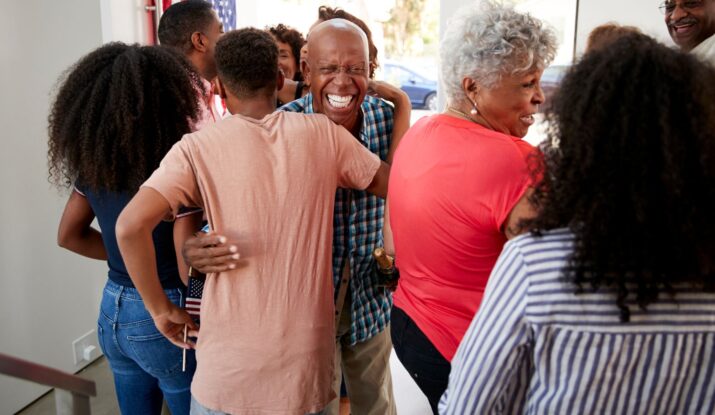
[(198, 409), (146, 366)]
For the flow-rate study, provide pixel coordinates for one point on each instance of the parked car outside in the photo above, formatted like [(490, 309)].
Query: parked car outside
[(551, 79), (421, 89)]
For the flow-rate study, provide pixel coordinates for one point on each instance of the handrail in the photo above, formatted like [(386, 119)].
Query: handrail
[(46, 375)]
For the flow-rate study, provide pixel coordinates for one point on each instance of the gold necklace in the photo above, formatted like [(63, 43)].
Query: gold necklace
[(462, 114)]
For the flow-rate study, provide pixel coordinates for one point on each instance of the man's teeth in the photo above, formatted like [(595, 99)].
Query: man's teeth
[(339, 101)]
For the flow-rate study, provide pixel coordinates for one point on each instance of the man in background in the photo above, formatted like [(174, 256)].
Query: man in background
[(691, 25), (193, 28)]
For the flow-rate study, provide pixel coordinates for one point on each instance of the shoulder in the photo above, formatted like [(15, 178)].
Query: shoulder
[(298, 105), (377, 106), (553, 244)]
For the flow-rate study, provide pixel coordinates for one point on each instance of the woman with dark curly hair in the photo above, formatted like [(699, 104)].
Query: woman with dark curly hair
[(289, 42), (608, 305), (117, 113)]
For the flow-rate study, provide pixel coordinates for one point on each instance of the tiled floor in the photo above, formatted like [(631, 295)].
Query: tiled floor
[(408, 397)]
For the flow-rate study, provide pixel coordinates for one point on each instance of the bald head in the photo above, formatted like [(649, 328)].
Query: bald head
[(335, 27), (337, 67)]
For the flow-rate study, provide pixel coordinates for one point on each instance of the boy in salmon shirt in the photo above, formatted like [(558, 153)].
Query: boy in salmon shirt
[(267, 181)]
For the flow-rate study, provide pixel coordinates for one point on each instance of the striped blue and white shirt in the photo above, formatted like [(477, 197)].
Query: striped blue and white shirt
[(536, 347), (357, 225)]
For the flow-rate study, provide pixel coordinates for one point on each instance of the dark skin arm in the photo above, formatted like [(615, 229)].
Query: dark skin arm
[(184, 228), (134, 236), (287, 93), (401, 116), (523, 209), (401, 123), (76, 233)]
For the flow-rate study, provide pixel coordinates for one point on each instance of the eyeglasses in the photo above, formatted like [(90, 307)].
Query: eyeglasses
[(668, 7)]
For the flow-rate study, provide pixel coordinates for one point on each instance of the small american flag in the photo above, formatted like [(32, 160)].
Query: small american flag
[(226, 11), (193, 297)]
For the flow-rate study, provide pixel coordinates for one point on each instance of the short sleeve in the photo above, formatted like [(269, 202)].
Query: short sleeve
[(175, 178), (357, 166), (515, 180)]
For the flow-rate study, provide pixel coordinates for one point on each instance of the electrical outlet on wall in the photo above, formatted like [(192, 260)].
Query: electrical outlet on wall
[(86, 348)]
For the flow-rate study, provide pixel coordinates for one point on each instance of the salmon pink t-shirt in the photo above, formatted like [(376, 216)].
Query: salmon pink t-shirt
[(266, 343), (452, 186)]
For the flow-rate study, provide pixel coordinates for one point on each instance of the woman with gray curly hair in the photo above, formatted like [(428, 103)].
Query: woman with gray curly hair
[(459, 183)]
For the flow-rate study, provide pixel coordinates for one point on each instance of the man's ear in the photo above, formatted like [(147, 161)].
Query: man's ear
[(221, 88), (305, 69), (197, 41), (280, 80)]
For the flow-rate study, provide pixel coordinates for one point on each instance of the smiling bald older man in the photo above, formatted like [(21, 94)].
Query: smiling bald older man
[(337, 66)]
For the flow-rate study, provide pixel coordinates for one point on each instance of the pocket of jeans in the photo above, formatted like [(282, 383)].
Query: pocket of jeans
[(155, 354)]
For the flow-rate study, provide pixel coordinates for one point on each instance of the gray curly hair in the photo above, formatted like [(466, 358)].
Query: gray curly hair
[(485, 41)]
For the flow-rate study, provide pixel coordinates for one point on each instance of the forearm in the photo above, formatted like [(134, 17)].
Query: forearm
[(387, 239), (137, 248), (75, 231), (184, 228), (402, 113), (378, 186), (88, 243), (287, 93), (134, 237), (400, 124)]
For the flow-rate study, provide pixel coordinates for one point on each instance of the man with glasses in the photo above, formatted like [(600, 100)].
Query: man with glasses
[(193, 28), (691, 24)]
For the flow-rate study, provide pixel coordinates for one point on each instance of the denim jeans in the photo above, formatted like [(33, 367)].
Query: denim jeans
[(198, 409), (424, 363), (145, 365)]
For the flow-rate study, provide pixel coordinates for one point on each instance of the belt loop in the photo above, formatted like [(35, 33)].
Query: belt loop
[(120, 291)]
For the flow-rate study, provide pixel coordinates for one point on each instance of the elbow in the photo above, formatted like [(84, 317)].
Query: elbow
[(63, 239), (67, 237), (125, 229)]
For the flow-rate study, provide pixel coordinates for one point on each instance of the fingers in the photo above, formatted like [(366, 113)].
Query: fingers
[(210, 253), (221, 259), (178, 340), (172, 327), (206, 239)]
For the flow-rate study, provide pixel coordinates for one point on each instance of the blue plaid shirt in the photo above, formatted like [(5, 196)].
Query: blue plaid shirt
[(357, 226)]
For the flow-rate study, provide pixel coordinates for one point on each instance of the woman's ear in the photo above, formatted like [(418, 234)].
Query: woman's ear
[(305, 69), (471, 88)]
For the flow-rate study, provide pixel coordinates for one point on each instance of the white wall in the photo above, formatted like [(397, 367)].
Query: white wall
[(48, 296), (124, 21)]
